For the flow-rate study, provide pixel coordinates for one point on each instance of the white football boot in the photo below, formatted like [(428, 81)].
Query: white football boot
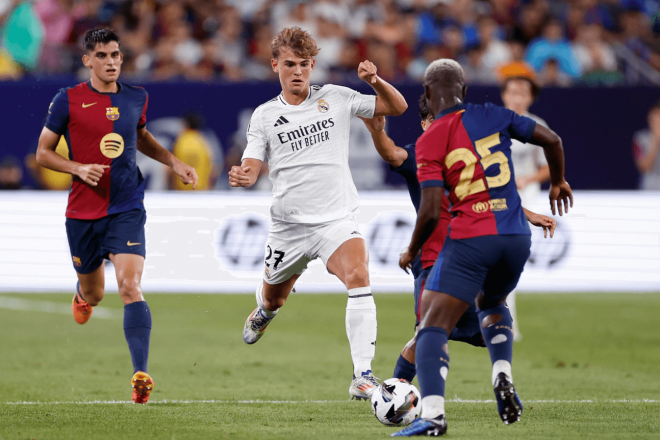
[(255, 326), (363, 386)]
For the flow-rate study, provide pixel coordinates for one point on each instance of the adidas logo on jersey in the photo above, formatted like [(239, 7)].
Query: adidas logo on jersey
[(281, 121)]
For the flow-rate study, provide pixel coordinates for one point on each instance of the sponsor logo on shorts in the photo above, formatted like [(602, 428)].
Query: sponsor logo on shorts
[(494, 205), (130, 243), (355, 233), (77, 261)]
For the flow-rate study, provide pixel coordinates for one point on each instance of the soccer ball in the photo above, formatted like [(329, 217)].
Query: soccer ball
[(396, 402)]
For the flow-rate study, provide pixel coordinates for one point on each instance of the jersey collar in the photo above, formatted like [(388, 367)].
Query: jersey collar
[(453, 109), (283, 101), (89, 84)]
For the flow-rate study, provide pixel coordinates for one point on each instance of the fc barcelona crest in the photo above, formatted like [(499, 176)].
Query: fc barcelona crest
[(112, 113)]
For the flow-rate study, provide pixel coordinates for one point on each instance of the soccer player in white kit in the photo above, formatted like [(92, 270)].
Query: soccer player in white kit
[(518, 94), (304, 133)]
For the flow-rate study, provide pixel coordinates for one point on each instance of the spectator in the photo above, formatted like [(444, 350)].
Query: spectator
[(11, 173), (430, 53), (530, 24), (553, 45), (194, 149), (475, 70), (496, 51), (517, 66), (552, 76), (49, 179), (646, 149), (166, 66), (592, 52), (636, 34)]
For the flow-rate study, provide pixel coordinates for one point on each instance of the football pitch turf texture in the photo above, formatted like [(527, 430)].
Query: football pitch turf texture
[(588, 367)]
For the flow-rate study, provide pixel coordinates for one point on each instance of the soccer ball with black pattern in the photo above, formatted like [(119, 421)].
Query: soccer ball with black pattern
[(396, 402)]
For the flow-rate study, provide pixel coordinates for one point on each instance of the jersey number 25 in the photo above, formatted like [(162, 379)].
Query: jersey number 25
[(465, 185)]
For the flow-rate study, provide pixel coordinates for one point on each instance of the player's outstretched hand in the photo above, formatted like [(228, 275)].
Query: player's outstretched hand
[(367, 72), (543, 221), (186, 173), (558, 194), (375, 125), (239, 177), (405, 260), (91, 173)]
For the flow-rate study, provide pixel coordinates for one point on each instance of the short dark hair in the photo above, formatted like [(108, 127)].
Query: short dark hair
[(424, 111), (99, 36), (534, 87)]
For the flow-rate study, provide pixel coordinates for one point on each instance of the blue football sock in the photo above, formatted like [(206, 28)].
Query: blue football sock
[(137, 329), (404, 369), (499, 336), (432, 362)]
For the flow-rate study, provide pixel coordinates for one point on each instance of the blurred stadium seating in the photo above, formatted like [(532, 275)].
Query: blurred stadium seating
[(598, 62)]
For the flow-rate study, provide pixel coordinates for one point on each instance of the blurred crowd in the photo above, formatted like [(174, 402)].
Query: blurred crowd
[(557, 42)]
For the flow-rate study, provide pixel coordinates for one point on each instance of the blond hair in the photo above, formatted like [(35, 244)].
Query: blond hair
[(300, 42)]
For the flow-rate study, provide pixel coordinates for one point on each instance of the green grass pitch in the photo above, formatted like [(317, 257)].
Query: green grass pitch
[(588, 367)]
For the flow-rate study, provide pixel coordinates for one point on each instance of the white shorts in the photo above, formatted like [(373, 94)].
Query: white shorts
[(291, 246)]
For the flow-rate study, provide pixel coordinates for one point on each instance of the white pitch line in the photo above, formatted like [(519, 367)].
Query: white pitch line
[(456, 400), (32, 305)]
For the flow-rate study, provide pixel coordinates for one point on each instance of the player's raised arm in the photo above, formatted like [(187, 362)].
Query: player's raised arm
[(388, 150), (48, 158), (560, 190), (149, 146), (389, 101)]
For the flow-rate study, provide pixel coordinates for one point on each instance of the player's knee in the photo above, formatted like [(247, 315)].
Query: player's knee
[(130, 290), (357, 276), (93, 296), (274, 304)]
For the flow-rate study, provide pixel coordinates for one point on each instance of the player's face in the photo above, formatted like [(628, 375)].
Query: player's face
[(518, 96), (426, 123), (105, 61), (294, 71)]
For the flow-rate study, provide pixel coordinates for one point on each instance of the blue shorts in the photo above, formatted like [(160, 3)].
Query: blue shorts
[(491, 264), (467, 329), (91, 241)]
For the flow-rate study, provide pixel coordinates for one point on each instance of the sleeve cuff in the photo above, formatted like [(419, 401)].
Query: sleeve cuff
[(530, 130), (53, 128), (432, 183), (141, 126)]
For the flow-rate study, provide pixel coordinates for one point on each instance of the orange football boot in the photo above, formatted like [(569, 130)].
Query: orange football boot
[(81, 310), (142, 385)]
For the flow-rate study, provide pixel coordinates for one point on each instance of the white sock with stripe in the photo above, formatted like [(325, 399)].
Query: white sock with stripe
[(361, 328)]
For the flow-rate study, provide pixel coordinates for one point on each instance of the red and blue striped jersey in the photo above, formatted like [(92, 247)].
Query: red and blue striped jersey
[(101, 128), (467, 150)]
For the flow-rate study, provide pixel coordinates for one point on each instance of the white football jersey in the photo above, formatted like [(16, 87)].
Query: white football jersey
[(307, 150), (527, 159)]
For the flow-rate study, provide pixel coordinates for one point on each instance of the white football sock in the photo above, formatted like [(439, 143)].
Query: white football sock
[(260, 302), (501, 366), (361, 328), (432, 407)]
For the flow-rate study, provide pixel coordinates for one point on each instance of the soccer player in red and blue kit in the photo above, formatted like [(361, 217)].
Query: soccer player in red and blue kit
[(104, 124), (467, 151), (402, 161)]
